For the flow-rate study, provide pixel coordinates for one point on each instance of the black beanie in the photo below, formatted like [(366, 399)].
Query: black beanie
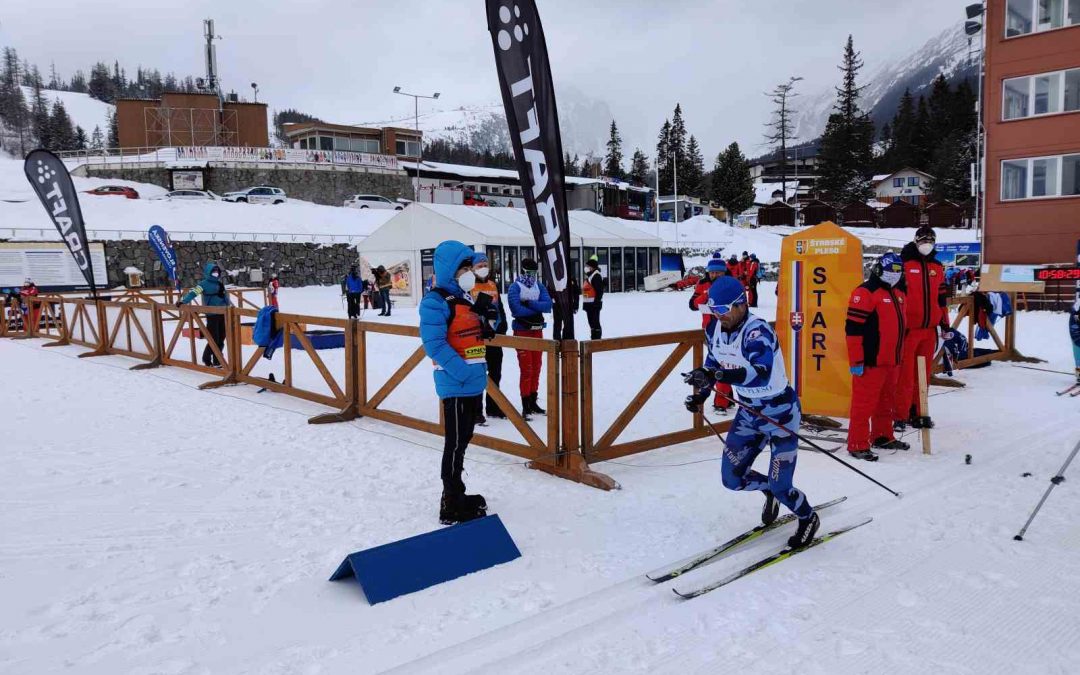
[(528, 265)]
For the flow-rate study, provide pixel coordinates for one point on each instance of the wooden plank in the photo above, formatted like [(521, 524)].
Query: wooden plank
[(401, 420), (924, 403), (654, 442), (512, 414), (646, 392), (398, 377), (552, 397), (210, 342), (286, 331), (503, 445), (652, 340), (391, 329), (250, 365), (317, 360), (586, 402)]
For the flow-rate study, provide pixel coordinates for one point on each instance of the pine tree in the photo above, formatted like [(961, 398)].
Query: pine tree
[(113, 140), (780, 128), (678, 147), (14, 113), (939, 107), (614, 158), (692, 178), (97, 141), (54, 79), (81, 141), (664, 166), (846, 156), (61, 132), (78, 82), (922, 150), (732, 184), (100, 85), (902, 149), (639, 168), (586, 169), (40, 126)]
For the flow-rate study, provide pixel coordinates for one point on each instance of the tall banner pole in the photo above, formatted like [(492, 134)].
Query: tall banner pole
[(521, 60), (52, 184)]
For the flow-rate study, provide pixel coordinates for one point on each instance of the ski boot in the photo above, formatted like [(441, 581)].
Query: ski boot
[(481, 421), (771, 510), (808, 527), (900, 426), (890, 444), (867, 455), (493, 410), (476, 504), (454, 508), (534, 407)]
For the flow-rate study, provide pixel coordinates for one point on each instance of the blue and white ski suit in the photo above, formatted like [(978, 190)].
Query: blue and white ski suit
[(753, 347)]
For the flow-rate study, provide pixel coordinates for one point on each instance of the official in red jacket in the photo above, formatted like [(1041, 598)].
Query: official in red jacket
[(875, 340), (927, 312), (715, 269), (750, 267)]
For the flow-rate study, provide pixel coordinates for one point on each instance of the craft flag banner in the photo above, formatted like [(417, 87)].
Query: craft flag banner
[(52, 183), (521, 60), (819, 268), (163, 247)]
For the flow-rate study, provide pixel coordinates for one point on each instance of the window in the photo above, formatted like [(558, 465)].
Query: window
[(1042, 94), (615, 271), (1027, 16), (628, 268), (913, 181), (896, 183), (408, 148), (369, 145), (326, 142), (642, 267), (1039, 177)]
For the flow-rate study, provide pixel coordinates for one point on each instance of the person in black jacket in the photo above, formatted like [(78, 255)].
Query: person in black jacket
[(556, 313), (592, 293)]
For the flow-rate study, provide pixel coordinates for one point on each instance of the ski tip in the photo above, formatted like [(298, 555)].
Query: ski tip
[(1018, 538)]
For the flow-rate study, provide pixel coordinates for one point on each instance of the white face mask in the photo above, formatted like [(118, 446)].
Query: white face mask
[(926, 249), (467, 280), (481, 272), (215, 274), (891, 278)]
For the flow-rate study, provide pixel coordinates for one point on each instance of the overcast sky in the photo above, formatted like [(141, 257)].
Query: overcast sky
[(340, 60)]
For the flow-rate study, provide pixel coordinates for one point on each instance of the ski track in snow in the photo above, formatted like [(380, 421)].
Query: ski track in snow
[(148, 527)]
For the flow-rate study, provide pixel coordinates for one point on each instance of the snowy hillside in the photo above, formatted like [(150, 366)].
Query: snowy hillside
[(945, 53), (84, 111)]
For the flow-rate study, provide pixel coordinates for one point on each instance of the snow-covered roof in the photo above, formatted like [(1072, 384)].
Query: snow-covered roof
[(422, 226), (907, 169), (763, 192), (478, 172), (880, 177)]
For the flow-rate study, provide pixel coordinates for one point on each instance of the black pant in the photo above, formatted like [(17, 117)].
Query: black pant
[(753, 292), (384, 295), (215, 325), (353, 301), (494, 358), (592, 311), (459, 418)]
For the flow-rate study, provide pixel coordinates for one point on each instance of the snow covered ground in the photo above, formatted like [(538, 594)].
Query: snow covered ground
[(84, 111), (148, 527)]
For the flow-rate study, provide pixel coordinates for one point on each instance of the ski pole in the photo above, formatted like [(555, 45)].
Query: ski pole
[(713, 427), (1054, 482), (813, 445)]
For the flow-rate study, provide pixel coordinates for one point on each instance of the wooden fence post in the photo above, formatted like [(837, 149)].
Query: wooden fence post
[(102, 332), (351, 410), (159, 339)]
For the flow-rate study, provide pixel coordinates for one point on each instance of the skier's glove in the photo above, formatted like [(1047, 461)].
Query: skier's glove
[(858, 370), (702, 378), (693, 402)]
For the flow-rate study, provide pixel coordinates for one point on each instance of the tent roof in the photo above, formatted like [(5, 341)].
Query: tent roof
[(422, 226)]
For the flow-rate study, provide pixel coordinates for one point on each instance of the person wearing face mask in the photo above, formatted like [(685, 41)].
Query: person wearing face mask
[(486, 285), (743, 352), (593, 296), (529, 301), (875, 331), (212, 290), (453, 335), (927, 315)]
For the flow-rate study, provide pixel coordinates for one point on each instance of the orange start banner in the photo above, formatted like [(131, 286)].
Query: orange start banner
[(819, 268)]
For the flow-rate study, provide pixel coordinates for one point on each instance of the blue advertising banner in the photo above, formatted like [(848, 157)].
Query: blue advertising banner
[(162, 245)]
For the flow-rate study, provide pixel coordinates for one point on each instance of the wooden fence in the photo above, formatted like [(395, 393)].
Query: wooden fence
[(147, 327)]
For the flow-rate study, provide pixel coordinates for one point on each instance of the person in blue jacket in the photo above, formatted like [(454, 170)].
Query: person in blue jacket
[(529, 301), (1074, 333), (212, 290), (353, 286), (453, 333)]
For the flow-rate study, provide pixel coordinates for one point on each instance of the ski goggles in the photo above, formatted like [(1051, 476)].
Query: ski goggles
[(721, 310)]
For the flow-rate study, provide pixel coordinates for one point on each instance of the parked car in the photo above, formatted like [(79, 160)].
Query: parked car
[(189, 194), (118, 190), (372, 202), (263, 194)]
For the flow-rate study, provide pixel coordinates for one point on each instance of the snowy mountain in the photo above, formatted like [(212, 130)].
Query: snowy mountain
[(584, 121), (947, 53), (84, 111)]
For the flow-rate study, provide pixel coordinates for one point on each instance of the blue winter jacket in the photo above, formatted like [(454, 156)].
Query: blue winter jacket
[(454, 377), (528, 314), (1074, 333), (212, 290), (354, 284)]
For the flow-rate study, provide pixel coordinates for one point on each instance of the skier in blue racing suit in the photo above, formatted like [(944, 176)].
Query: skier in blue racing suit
[(1074, 333), (743, 352)]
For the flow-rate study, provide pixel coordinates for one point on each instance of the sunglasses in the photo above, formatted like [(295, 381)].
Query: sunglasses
[(721, 310)]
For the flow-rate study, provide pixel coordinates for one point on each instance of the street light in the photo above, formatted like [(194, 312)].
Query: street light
[(416, 120), (973, 27), (255, 90)]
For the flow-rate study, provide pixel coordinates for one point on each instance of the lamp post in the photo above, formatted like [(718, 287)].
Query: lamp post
[(416, 120), (973, 27), (255, 91)]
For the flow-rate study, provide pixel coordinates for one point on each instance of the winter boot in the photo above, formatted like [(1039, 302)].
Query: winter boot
[(493, 409), (481, 421), (808, 527), (900, 426), (890, 444), (534, 407), (868, 455), (921, 422), (454, 508), (526, 409), (771, 510), (476, 504)]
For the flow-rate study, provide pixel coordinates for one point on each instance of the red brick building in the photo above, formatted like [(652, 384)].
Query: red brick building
[(1032, 109), (178, 119)]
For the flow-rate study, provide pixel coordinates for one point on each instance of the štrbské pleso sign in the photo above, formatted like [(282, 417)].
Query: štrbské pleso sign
[(819, 268)]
